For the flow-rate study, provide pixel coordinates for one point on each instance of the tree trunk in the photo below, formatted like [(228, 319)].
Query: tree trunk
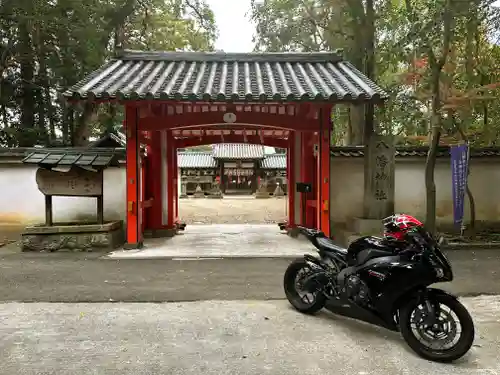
[(27, 136), (347, 138), (430, 163), (436, 65), (369, 38), (356, 123), (50, 115), (81, 133), (469, 70)]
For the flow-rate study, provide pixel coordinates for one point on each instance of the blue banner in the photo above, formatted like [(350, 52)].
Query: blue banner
[(459, 168)]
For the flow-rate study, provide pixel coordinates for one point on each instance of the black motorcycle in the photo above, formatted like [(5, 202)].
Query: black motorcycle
[(390, 281)]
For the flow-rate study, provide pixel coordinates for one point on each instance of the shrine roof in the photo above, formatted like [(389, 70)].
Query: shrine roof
[(240, 151), (274, 161), (195, 160), (219, 76), (96, 158)]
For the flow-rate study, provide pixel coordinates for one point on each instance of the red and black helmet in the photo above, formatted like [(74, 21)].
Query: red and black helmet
[(398, 225)]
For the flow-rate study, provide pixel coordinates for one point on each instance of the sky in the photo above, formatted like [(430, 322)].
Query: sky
[(235, 29)]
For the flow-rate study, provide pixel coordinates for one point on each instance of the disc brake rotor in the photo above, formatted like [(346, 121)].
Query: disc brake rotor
[(442, 332)]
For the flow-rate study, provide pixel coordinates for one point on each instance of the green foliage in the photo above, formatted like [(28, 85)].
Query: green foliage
[(405, 32), (46, 46)]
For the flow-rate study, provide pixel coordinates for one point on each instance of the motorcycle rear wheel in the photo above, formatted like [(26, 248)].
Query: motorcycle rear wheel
[(292, 294), (458, 350)]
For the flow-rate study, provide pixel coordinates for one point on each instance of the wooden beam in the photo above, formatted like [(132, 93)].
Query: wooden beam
[(48, 211), (252, 139), (204, 119)]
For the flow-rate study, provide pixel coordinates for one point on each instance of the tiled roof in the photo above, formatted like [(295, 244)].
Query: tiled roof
[(197, 76), (115, 140), (408, 151), (84, 158), (275, 161), (196, 160), (240, 151)]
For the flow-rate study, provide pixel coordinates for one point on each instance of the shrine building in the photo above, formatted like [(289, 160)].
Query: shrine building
[(239, 168)]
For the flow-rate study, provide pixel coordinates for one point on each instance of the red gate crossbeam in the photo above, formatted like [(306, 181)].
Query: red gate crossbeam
[(232, 138), (197, 120)]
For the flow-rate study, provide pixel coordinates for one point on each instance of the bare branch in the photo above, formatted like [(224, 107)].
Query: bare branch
[(201, 17)]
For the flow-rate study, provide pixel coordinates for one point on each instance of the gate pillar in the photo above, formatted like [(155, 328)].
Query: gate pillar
[(156, 165), (308, 175), (134, 236), (323, 180), (290, 176)]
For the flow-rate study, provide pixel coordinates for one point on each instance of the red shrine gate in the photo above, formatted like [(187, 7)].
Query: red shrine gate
[(165, 128), (176, 100)]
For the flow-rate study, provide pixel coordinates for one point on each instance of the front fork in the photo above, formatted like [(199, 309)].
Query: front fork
[(431, 310)]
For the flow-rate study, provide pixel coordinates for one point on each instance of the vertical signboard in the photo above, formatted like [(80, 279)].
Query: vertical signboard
[(459, 168)]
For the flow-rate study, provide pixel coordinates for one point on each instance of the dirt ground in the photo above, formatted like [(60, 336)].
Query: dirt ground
[(230, 210), (233, 210), (10, 232)]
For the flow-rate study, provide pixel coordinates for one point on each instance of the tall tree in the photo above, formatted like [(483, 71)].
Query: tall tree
[(321, 25), (47, 46)]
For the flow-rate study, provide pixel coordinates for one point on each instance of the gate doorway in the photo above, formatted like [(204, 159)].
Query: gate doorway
[(232, 183)]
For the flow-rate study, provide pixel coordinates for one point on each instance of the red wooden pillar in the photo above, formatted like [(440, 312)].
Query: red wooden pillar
[(156, 165), (175, 182), (144, 193), (134, 238), (171, 154), (290, 175), (308, 202), (323, 173)]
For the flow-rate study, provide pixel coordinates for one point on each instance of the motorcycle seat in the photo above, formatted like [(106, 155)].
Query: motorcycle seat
[(328, 245)]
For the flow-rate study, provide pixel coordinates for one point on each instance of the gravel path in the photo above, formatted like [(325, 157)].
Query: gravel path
[(233, 210)]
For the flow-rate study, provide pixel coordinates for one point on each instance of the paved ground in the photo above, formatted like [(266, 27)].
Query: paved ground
[(233, 210), (248, 337), (222, 240), (86, 278)]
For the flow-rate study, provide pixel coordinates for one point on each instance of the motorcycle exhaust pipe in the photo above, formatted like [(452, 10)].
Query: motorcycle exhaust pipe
[(315, 281)]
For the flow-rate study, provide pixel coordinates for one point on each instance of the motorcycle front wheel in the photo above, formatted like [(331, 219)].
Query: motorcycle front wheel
[(303, 301), (448, 339)]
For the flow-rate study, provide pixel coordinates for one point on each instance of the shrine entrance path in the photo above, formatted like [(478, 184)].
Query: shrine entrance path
[(221, 241)]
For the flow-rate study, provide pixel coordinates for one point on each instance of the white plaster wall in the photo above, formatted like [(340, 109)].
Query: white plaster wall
[(347, 188), (22, 202)]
